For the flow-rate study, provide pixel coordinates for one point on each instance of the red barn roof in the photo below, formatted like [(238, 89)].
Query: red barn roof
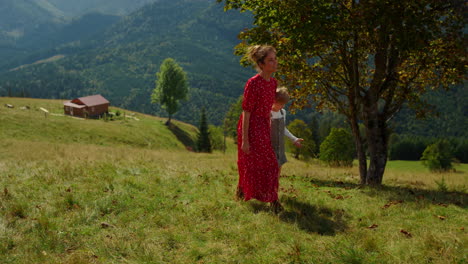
[(69, 103), (92, 100)]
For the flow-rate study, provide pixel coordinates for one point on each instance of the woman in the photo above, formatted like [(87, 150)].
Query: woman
[(257, 164)]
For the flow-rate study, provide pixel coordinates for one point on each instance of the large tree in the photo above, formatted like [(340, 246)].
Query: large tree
[(362, 58), (171, 87)]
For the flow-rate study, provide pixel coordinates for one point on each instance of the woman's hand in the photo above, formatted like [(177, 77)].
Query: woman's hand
[(245, 147), (245, 132)]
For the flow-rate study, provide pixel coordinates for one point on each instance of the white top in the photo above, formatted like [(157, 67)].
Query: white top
[(278, 115)]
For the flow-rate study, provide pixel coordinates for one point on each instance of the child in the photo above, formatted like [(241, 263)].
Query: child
[(278, 127)]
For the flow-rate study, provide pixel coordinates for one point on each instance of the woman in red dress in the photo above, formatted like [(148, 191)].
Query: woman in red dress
[(257, 164)]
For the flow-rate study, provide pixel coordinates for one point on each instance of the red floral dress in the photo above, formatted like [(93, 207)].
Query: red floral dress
[(258, 170)]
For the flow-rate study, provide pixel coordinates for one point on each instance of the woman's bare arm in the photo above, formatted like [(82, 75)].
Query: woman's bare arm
[(245, 132)]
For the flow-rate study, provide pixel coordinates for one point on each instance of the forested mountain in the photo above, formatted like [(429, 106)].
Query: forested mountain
[(121, 63), (448, 119), (23, 21), (24, 15), (113, 7), (28, 27)]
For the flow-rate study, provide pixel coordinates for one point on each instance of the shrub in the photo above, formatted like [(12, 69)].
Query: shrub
[(216, 137), (338, 148), (438, 156)]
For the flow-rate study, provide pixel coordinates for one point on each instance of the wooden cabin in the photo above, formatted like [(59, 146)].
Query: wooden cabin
[(90, 106)]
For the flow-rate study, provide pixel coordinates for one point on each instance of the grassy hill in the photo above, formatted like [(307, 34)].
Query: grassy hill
[(135, 129), (91, 191)]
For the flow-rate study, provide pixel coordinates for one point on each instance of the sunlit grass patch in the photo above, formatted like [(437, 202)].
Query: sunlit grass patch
[(80, 202)]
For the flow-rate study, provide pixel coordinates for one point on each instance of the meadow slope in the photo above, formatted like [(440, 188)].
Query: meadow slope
[(126, 191)]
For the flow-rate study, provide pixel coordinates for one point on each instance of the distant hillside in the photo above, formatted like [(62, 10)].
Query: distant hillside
[(25, 15), (121, 63), (40, 44), (449, 119), (138, 130), (24, 20), (112, 7), (21, 20), (28, 27)]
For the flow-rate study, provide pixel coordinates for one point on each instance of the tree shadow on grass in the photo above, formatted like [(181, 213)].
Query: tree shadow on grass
[(307, 217), (402, 193), (182, 136)]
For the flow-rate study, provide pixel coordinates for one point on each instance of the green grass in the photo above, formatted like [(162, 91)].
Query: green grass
[(417, 166), (63, 201), (134, 129)]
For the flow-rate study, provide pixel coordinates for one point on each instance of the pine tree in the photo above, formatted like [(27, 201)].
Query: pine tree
[(203, 142)]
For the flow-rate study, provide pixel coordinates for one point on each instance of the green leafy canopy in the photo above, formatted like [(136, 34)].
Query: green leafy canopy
[(171, 86), (338, 149), (328, 49), (364, 58)]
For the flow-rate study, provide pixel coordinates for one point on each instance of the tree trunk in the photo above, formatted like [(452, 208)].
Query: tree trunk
[(224, 142), (377, 140), (168, 122), (361, 154)]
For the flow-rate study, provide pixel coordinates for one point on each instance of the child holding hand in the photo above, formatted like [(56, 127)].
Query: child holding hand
[(278, 127)]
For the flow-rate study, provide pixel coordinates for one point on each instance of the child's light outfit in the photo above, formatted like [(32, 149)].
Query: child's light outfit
[(278, 131)]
